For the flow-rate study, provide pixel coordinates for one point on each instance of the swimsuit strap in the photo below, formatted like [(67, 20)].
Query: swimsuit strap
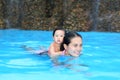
[(63, 52)]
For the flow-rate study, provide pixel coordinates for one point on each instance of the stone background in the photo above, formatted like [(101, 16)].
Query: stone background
[(79, 15)]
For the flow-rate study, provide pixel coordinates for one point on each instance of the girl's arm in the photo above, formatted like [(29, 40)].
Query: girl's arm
[(53, 52)]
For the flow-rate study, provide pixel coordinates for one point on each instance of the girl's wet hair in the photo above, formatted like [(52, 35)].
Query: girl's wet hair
[(58, 28), (68, 36)]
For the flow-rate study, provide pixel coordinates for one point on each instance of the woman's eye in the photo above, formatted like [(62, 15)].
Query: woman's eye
[(75, 45), (80, 45)]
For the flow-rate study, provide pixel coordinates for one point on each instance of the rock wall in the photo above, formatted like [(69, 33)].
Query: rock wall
[(80, 15)]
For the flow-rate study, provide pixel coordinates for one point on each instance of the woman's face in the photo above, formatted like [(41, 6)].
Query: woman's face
[(75, 46)]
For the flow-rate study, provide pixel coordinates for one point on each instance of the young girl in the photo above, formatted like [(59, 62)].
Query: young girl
[(54, 49)]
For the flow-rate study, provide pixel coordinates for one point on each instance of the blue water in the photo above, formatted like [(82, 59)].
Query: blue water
[(100, 54)]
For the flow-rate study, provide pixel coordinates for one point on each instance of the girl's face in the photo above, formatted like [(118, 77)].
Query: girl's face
[(75, 46), (58, 36)]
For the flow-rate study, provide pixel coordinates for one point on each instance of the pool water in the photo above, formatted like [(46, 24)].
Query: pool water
[(100, 59)]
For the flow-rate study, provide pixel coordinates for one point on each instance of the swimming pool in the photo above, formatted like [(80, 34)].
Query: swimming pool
[(100, 53)]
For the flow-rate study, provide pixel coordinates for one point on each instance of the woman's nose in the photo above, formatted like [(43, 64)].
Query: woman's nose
[(79, 48)]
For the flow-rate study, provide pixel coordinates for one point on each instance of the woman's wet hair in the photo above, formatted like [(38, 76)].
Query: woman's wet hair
[(68, 36)]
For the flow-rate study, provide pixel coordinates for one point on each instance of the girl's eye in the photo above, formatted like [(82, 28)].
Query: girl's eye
[(56, 35), (61, 36)]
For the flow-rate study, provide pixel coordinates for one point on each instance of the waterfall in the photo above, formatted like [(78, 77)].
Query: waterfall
[(94, 15), (8, 8), (7, 22), (13, 13), (20, 13)]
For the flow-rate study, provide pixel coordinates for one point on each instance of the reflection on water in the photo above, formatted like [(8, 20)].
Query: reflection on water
[(99, 60)]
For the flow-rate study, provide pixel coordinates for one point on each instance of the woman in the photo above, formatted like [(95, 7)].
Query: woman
[(72, 46)]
